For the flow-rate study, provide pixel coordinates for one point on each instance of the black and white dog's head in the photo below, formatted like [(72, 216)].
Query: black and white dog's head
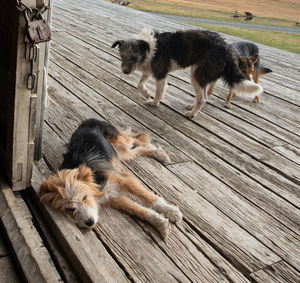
[(136, 52)]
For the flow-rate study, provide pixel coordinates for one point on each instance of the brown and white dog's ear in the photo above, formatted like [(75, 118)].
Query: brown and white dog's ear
[(85, 174), (50, 189), (118, 43), (254, 58), (97, 194)]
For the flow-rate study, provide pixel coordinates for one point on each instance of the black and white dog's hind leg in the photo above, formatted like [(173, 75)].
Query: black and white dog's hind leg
[(201, 95)]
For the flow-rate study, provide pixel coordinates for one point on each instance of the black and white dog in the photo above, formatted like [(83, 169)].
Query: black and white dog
[(208, 55)]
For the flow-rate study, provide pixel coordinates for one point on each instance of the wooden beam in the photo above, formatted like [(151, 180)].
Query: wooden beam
[(23, 107), (33, 258), (42, 88)]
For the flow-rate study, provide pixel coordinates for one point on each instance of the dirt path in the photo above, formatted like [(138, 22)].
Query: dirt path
[(231, 24)]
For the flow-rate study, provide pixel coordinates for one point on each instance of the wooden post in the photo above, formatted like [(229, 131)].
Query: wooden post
[(42, 91), (17, 122)]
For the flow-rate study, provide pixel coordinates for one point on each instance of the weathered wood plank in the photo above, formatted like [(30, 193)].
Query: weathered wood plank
[(266, 176), (280, 93), (257, 151), (139, 254), (32, 256), (90, 16), (256, 222), (3, 247), (254, 128), (279, 272), (63, 266), (102, 106), (243, 254), (42, 86), (237, 152), (149, 264), (8, 271)]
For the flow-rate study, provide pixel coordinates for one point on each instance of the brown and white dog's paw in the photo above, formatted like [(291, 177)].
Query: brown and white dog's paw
[(173, 213), (162, 155), (161, 223), (257, 99), (170, 211), (164, 228)]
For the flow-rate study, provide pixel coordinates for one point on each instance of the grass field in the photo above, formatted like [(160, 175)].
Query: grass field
[(267, 12), (285, 41), (277, 9), (222, 10)]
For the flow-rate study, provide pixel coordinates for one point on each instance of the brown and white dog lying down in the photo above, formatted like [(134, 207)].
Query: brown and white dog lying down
[(91, 176), (205, 52)]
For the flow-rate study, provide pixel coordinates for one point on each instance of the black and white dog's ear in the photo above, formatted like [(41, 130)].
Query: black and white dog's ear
[(117, 43), (143, 46)]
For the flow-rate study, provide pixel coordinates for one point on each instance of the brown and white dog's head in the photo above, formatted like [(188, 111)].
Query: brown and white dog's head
[(136, 52), (74, 193), (246, 65)]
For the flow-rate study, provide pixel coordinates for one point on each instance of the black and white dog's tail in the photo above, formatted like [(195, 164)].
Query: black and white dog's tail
[(237, 82)]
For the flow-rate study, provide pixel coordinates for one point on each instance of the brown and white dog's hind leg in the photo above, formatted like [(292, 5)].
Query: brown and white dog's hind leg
[(130, 184), (123, 203), (141, 85), (160, 88), (143, 147), (153, 151)]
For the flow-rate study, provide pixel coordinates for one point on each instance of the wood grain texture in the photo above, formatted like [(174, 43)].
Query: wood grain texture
[(237, 158), (234, 173), (8, 271), (279, 272), (33, 258), (112, 221)]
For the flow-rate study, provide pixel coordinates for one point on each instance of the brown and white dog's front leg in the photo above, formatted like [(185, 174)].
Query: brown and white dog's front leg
[(160, 88), (141, 85), (123, 203), (128, 183)]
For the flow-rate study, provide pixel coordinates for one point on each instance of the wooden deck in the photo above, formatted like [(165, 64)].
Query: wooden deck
[(8, 271), (235, 173)]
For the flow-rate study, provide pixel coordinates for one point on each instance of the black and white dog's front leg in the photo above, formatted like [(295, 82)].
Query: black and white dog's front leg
[(141, 85), (160, 88), (201, 97)]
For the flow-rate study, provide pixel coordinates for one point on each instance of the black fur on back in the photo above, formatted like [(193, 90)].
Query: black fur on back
[(207, 49), (89, 145)]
